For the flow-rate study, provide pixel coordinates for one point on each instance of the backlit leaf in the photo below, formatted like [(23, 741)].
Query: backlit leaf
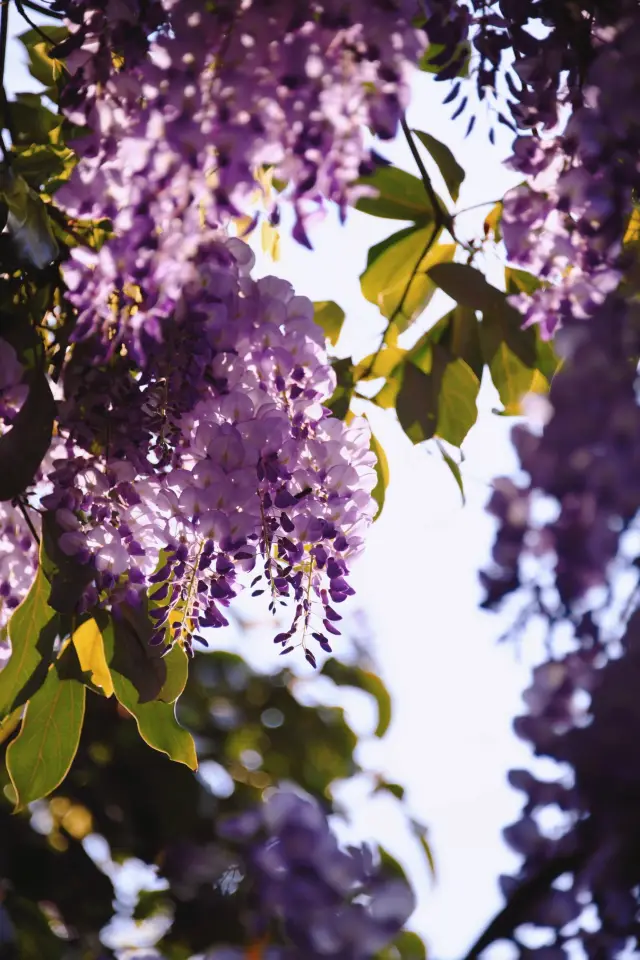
[(330, 317), (39, 758), (382, 470), (89, 645), (33, 629), (417, 403), (452, 172), (457, 410), (401, 196), (398, 280), (344, 675)]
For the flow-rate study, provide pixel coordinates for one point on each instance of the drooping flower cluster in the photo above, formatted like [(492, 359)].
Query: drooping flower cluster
[(567, 223), (561, 537), (327, 901), (230, 88), (218, 453)]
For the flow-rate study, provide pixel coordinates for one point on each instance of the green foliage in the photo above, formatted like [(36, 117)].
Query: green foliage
[(452, 172), (330, 317), (344, 675), (40, 756), (33, 629), (401, 196), (397, 279), (382, 470), (27, 221)]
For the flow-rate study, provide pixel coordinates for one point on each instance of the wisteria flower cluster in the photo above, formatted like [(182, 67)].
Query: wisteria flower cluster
[(328, 901)]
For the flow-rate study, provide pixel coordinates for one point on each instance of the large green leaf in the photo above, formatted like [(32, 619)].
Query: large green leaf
[(416, 402), (330, 317), (24, 445), (457, 410), (398, 280), (40, 756), (344, 675), (401, 196), (452, 172), (33, 629), (341, 399), (47, 70), (156, 719)]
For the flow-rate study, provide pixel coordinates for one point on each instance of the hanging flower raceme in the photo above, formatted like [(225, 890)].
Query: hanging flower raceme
[(226, 90), (329, 901)]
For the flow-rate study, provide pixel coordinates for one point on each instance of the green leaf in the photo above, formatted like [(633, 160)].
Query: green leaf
[(452, 172), (40, 757), (462, 53), (493, 220), (382, 471), (33, 629), (177, 665), (511, 377), (409, 946), (156, 720), (40, 163), (454, 468), (468, 287), (381, 364), (47, 70), (31, 120), (344, 675), (458, 333), (341, 399), (399, 275), (401, 196), (330, 317), (457, 410), (416, 402), (27, 221), (420, 831), (24, 445)]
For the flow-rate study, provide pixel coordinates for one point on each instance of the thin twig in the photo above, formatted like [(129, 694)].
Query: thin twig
[(45, 11), (28, 521), (34, 26)]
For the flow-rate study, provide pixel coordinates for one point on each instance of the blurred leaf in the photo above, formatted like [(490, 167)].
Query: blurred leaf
[(399, 275), (344, 675), (492, 222), (27, 221), (24, 445), (420, 832), (39, 163), (401, 196), (457, 410), (45, 69), (378, 365), (452, 172), (330, 317), (416, 402), (454, 468), (32, 121), (156, 720), (41, 755), (89, 645), (432, 59), (33, 628), (341, 399), (407, 946), (395, 789), (382, 470), (519, 281)]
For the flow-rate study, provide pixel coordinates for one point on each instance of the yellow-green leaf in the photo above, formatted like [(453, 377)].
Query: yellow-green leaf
[(451, 171), (397, 280), (32, 631), (89, 645), (382, 471), (457, 410), (39, 758), (330, 317), (400, 196)]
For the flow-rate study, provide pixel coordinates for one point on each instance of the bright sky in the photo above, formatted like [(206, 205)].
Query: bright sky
[(454, 690)]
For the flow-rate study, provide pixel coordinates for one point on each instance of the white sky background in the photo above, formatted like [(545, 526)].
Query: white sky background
[(454, 690)]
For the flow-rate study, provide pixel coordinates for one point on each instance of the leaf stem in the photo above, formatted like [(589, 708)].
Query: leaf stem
[(41, 8), (34, 26)]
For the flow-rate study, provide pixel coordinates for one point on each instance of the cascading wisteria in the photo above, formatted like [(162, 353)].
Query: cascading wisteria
[(566, 223), (329, 901)]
